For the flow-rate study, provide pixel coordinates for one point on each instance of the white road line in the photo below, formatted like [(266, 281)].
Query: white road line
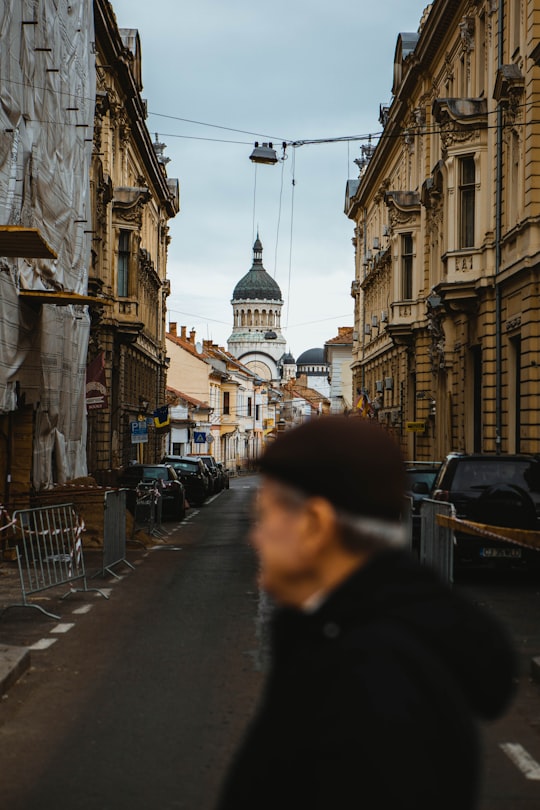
[(522, 759), (83, 609), (43, 644), (63, 627)]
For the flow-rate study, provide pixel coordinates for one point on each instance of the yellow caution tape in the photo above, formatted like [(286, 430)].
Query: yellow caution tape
[(519, 537)]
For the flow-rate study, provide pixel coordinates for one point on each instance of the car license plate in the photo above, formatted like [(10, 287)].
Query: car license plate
[(512, 553)]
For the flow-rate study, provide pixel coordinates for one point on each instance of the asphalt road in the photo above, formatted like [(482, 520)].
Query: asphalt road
[(139, 701)]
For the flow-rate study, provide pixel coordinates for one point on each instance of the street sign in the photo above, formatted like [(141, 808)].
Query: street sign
[(415, 427), (139, 432), (199, 437)]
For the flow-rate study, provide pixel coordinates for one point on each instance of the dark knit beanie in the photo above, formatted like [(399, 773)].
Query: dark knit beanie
[(350, 461)]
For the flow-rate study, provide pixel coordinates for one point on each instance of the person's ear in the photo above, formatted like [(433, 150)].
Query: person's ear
[(319, 525)]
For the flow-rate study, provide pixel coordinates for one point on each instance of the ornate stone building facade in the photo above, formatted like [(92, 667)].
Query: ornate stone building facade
[(447, 235), (133, 199)]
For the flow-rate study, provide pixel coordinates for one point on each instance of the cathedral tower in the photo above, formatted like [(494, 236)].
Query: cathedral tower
[(256, 338)]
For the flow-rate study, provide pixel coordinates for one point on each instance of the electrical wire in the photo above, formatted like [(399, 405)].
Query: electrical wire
[(293, 183), (215, 126), (279, 216), (254, 202)]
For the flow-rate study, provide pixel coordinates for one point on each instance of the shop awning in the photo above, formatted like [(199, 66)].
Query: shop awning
[(60, 299), (24, 243)]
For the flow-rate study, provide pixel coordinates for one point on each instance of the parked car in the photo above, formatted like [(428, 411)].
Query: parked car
[(171, 487), (217, 484), (497, 490), (194, 475), (224, 474), (420, 477)]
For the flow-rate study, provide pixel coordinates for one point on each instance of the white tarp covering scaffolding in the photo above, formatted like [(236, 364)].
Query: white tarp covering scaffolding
[(47, 94)]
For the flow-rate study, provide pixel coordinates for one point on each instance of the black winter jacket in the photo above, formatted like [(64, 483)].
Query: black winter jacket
[(371, 702)]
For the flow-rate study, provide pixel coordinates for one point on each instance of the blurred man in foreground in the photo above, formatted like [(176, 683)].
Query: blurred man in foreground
[(379, 672)]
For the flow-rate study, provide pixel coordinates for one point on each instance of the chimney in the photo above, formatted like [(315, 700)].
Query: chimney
[(172, 328), (183, 328), (192, 336)]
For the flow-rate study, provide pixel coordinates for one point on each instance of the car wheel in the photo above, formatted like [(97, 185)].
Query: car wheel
[(181, 511), (506, 505)]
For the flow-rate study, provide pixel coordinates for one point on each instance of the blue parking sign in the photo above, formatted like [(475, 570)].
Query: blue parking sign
[(139, 432)]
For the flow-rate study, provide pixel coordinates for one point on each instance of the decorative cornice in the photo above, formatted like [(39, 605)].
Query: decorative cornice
[(466, 112), (405, 201)]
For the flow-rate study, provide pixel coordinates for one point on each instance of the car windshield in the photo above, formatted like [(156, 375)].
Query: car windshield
[(188, 466), (483, 473), (151, 473), (416, 476)]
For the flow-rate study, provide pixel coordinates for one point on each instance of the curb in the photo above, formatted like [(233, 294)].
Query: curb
[(14, 662)]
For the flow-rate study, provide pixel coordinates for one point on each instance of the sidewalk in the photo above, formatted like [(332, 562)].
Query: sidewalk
[(21, 626)]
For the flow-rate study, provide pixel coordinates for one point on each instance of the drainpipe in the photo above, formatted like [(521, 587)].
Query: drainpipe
[(363, 386), (498, 231)]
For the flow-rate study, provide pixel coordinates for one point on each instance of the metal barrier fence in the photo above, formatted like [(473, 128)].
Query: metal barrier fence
[(114, 531), (49, 552), (148, 508), (437, 542), (407, 521)]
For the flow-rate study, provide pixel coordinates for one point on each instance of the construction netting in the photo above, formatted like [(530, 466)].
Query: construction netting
[(47, 95)]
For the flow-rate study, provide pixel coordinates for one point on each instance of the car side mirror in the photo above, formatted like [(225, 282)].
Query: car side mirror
[(420, 488)]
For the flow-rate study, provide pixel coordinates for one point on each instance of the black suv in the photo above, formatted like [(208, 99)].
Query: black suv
[(215, 475), (194, 476), (496, 490), (170, 486)]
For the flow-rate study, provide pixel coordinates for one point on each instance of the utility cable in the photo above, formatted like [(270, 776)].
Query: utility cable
[(293, 166), (279, 216)]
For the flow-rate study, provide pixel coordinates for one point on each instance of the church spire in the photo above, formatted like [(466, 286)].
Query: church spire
[(257, 253)]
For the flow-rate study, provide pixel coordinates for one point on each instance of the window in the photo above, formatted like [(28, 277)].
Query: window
[(249, 406), (516, 25), (226, 402), (467, 190), (123, 264), (407, 266), (257, 413)]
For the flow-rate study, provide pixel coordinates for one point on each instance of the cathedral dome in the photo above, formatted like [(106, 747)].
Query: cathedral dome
[(312, 357), (257, 284)]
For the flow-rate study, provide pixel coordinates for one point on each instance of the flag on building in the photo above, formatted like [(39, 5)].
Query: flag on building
[(363, 406), (96, 387), (161, 417)]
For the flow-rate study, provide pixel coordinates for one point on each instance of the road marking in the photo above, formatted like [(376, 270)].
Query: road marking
[(522, 759), (105, 592), (43, 644), (83, 609), (63, 628)]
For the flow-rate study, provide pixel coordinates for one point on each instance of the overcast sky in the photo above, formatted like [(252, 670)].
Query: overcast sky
[(286, 70)]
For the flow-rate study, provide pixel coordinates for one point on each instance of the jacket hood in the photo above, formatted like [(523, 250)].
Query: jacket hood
[(408, 603)]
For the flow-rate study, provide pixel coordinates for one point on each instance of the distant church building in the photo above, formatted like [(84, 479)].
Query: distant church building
[(313, 365), (256, 338)]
